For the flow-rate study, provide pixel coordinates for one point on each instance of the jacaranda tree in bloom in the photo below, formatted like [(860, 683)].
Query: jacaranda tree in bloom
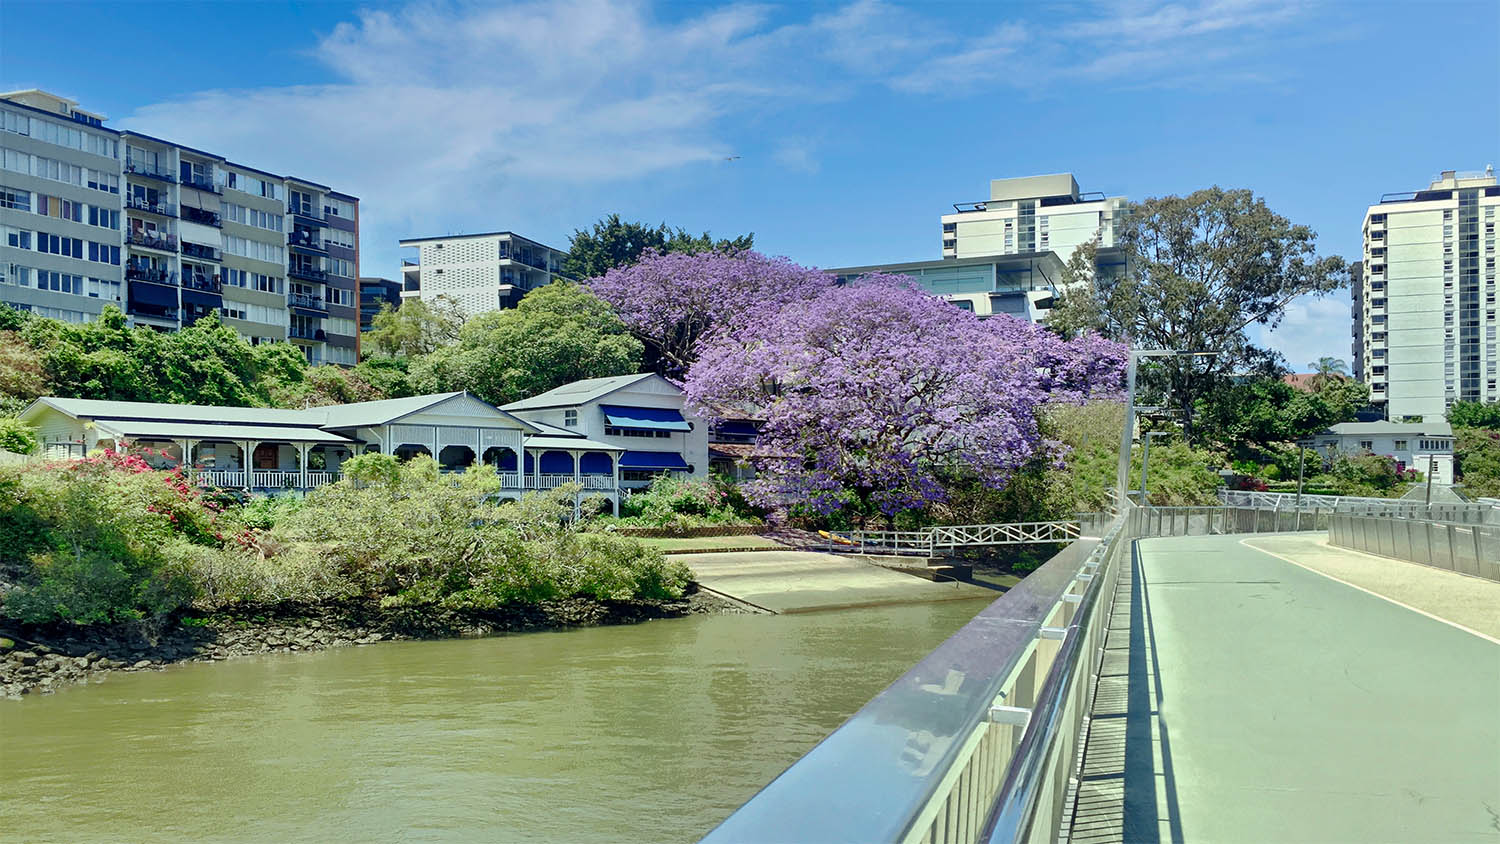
[(671, 300), (875, 392)]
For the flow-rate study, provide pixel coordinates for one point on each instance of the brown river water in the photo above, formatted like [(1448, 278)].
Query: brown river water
[(651, 732)]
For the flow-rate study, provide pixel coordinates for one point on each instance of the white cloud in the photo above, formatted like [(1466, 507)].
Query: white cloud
[(439, 114), (1311, 328)]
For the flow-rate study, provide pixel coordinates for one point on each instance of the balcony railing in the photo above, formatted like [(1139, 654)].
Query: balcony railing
[(152, 240), (301, 333), (302, 300), (305, 212), (141, 203), (206, 253), (202, 215), (255, 479), (308, 273), (202, 184), (514, 480), (150, 171), (134, 272), (200, 281), (305, 240)]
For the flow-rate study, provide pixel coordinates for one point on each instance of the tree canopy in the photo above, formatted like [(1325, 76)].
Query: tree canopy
[(418, 327), (1473, 414), (615, 243), (556, 334), (1257, 412), (875, 394), (1199, 271), (671, 300)]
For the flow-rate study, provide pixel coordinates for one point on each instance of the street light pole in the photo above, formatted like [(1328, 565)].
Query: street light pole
[(1431, 467), (1301, 460), (1122, 474)]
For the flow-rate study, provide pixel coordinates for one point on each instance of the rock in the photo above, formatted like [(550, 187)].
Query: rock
[(81, 661), (144, 663), (92, 656), (24, 657)]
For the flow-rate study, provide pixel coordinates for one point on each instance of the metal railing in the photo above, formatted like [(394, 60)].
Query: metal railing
[(980, 740), (513, 480), (953, 537), (263, 479), (141, 203), (166, 243), (1468, 549), (1397, 508)]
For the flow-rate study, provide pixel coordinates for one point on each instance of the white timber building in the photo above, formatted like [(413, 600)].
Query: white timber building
[(1424, 446), (642, 416), (1425, 311), (482, 272)]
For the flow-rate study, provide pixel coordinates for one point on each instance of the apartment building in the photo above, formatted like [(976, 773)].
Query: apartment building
[(374, 293), (1006, 254), (1426, 322), (482, 272), (1356, 310), (94, 216)]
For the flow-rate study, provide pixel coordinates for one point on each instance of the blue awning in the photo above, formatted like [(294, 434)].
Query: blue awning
[(644, 418), (653, 460)]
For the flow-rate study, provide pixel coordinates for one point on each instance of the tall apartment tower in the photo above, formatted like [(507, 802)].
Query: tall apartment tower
[(94, 216), (482, 272), (1357, 311), (1428, 319), (1033, 214)]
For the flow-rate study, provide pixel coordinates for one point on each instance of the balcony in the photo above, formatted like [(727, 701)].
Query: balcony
[(149, 171), (206, 185), (141, 203), (203, 216), (302, 300), (307, 273), (306, 241), (204, 282), (203, 253), (298, 332), (151, 240), (261, 479), (139, 272), (306, 212)]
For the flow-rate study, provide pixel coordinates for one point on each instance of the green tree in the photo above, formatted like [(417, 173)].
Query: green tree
[(1477, 452), (1330, 367), (16, 436), (418, 327), (558, 333), (615, 243), (1473, 414), (1199, 271), (1254, 413)]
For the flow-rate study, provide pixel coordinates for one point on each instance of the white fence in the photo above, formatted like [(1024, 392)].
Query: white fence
[(1395, 508)]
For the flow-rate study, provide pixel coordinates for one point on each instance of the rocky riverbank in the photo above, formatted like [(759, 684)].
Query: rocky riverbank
[(43, 659)]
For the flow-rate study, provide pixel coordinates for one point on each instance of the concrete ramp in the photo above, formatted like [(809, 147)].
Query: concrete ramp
[(803, 581)]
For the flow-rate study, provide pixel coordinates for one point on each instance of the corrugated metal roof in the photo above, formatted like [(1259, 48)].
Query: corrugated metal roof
[(578, 392), (159, 411), (367, 413), (570, 443), (1431, 429), (201, 431)]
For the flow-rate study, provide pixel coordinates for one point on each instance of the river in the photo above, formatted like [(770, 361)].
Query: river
[(651, 732)]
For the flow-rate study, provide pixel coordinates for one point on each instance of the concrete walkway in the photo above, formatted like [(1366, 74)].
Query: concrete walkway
[(1247, 698), (802, 581)]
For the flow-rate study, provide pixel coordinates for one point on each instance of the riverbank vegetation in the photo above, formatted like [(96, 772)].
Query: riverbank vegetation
[(675, 504), (108, 539)]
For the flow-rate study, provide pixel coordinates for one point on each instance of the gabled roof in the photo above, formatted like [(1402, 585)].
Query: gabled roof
[(162, 412), (580, 392), (366, 414), (1416, 429)]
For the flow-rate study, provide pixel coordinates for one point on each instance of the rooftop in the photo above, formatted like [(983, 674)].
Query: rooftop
[(579, 392)]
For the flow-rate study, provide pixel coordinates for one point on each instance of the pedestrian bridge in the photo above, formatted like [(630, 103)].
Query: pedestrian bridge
[(1234, 673)]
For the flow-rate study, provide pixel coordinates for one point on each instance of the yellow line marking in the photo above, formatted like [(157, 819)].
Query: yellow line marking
[(1488, 638)]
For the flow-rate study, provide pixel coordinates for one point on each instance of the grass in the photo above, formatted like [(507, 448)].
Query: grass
[(695, 543)]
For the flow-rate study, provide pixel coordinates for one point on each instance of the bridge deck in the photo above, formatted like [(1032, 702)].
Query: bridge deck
[(1247, 698)]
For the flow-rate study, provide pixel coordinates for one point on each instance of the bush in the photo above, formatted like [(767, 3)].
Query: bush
[(1478, 454), (671, 502), (17, 436), (1369, 475)]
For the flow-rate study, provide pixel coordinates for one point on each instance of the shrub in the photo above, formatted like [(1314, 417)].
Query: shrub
[(17, 436), (672, 502)]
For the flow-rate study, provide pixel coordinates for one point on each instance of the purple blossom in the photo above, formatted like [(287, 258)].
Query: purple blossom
[(877, 391), (671, 300)]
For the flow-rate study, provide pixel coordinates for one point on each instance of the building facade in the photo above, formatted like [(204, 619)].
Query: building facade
[(1427, 322), (1006, 254), (272, 450), (94, 216), (482, 272), (1423, 446), (1356, 312), (643, 415), (375, 293)]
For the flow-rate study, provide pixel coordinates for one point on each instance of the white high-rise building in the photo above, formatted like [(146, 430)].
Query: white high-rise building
[(1032, 214), (482, 272), (1427, 310)]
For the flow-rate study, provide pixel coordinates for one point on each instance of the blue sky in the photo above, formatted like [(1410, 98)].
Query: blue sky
[(855, 124)]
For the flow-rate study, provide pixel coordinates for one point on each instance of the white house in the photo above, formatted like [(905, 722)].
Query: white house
[(641, 415), (270, 449), (1422, 446)]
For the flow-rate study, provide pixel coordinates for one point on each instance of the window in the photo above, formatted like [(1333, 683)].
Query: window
[(338, 208), (1367, 445), (19, 162), (339, 296), (16, 238), (20, 200), (1400, 445), (101, 181), (11, 121), (341, 325), (247, 248), (341, 267), (104, 288), (570, 418), (59, 282), (632, 432), (13, 274), (253, 217)]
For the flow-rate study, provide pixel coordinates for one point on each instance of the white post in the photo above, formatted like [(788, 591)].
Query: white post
[(302, 463), (577, 479), (1123, 472)]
